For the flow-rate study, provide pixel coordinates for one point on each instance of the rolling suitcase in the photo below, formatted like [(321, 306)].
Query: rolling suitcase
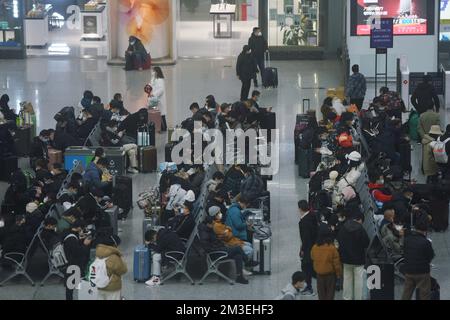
[(123, 194), (148, 159), (141, 264), (148, 224), (168, 151), (262, 253), (9, 166), (301, 123), (54, 156), (154, 116), (22, 141), (439, 211), (113, 214), (304, 162), (270, 75), (387, 291), (269, 123), (405, 157)]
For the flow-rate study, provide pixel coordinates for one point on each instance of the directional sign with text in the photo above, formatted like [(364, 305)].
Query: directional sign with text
[(382, 35)]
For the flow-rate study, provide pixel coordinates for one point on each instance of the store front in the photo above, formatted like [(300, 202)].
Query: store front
[(11, 29)]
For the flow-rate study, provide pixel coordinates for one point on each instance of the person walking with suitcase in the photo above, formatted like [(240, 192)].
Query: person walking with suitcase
[(259, 47), (308, 228), (353, 243), (418, 256), (246, 70), (356, 88)]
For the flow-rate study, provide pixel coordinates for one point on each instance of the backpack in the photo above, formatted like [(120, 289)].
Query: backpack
[(58, 255), (252, 187), (98, 273), (439, 152)]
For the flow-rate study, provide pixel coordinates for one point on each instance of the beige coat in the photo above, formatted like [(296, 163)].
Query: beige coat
[(430, 168), (427, 120), (114, 264)]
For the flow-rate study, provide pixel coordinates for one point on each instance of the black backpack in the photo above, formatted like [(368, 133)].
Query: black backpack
[(252, 187)]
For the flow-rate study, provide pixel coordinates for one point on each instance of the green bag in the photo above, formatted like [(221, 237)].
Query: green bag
[(413, 124)]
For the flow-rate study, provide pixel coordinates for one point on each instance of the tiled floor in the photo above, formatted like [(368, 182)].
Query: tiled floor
[(51, 84)]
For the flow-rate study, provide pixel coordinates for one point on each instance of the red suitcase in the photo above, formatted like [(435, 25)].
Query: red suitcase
[(155, 117)]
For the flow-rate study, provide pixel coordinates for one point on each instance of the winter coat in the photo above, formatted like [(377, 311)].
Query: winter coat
[(353, 243), (424, 97), (224, 233), (115, 266), (308, 228), (209, 240), (76, 252), (236, 221), (289, 293), (92, 177), (85, 129), (326, 260), (176, 196), (418, 253), (159, 91), (402, 207), (426, 121), (357, 86), (15, 239), (246, 67), (167, 241), (430, 167), (233, 180), (183, 225), (392, 239), (258, 45)]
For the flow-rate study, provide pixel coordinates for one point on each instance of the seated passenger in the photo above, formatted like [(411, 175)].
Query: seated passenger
[(210, 243), (225, 234), (49, 235), (392, 234), (86, 126), (15, 239), (110, 137), (161, 242), (59, 174), (93, 177), (136, 56), (236, 219), (217, 179), (183, 223)]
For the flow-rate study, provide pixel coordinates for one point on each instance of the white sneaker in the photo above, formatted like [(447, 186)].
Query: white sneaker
[(133, 171), (247, 273), (154, 282)]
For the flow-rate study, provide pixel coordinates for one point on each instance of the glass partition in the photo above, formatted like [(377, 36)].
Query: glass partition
[(294, 23)]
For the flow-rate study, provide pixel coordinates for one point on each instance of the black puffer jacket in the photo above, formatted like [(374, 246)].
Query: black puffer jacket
[(418, 253), (246, 66), (353, 243), (208, 239), (308, 228)]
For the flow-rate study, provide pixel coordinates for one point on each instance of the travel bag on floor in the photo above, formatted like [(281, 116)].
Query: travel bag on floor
[(141, 263), (270, 75), (148, 159), (154, 116)]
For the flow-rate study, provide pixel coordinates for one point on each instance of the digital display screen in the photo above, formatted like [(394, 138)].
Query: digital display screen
[(411, 17)]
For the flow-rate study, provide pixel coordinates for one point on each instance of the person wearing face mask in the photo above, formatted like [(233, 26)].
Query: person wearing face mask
[(246, 70), (159, 95), (258, 45), (392, 234), (292, 290), (183, 224), (210, 243), (39, 146), (401, 201), (136, 56)]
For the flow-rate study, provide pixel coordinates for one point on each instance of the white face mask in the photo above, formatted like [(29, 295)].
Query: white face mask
[(220, 216), (46, 199), (341, 219)]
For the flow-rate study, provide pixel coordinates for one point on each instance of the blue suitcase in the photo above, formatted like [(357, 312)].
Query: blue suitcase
[(141, 263)]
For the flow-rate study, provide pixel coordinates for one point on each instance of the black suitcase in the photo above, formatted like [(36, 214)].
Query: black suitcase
[(405, 157), (10, 164), (439, 211), (123, 194), (22, 141), (168, 151), (387, 291), (269, 123), (270, 75), (304, 162), (301, 123)]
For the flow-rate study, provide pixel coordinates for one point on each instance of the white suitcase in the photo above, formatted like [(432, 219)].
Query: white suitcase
[(262, 250)]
